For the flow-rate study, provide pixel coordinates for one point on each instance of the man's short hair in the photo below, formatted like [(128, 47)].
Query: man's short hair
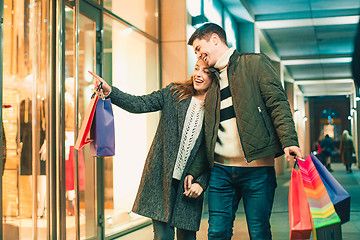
[(205, 31)]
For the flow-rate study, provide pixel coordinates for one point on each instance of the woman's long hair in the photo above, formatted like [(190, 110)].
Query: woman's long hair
[(183, 90), (345, 135)]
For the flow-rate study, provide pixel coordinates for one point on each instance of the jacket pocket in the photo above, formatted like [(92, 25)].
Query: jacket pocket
[(263, 120)]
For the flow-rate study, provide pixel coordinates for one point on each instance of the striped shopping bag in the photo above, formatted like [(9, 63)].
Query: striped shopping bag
[(338, 195), (321, 208)]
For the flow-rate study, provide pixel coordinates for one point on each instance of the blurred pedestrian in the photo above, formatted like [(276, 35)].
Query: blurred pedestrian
[(346, 150), (327, 146)]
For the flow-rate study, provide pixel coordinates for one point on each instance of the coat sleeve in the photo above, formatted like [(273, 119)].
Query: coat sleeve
[(139, 104), (199, 169), (276, 102)]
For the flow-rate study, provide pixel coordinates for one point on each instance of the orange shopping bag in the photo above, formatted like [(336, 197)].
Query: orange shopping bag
[(299, 211), (82, 139)]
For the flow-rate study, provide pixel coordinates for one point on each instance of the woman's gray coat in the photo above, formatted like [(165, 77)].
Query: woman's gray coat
[(153, 197)]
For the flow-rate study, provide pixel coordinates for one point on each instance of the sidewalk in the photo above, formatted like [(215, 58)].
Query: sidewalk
[(280, 216)]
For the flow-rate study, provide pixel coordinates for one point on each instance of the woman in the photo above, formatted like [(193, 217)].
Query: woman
[(346, 150), (177, 155)]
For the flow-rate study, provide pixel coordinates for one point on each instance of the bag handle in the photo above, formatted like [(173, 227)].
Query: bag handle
[(296, 160), (97, 91), (296, 164)]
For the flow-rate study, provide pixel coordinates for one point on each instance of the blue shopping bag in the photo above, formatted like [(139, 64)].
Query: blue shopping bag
[(102, 130), (338, 195)]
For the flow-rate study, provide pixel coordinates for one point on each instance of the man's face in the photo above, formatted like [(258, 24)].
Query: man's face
[(205, 50)]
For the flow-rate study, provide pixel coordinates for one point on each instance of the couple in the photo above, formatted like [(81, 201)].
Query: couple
[(221, 129)]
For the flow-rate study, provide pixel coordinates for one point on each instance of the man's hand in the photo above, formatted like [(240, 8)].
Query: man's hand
[(105, 87), (192, 190), (293, 150)]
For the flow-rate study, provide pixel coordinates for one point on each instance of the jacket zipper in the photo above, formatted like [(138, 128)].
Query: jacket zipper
[(262, 117)]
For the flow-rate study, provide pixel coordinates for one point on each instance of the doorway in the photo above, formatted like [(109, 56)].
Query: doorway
[(83, 173)]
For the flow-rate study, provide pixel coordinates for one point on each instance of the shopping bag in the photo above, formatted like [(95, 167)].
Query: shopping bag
[(82, 139), (69, 171), (338, 195), (299, 211), (102, 130), (321, 208)]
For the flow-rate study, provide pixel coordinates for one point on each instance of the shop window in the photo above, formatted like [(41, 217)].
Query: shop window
[(131, 64), (213, 10), (143, 14), (194, 7), (330, 123), (230, 30), (25, 75)]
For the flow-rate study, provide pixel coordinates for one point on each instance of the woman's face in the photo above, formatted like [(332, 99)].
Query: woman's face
[(201, 77)]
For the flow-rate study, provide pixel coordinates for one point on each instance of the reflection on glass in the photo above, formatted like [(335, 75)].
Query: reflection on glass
[(194, 7), (87, 163), (97, 1), (25, 64), (143, 14), (213, 10), (229, 29), (86, 166), (131, 64), (69, 124)]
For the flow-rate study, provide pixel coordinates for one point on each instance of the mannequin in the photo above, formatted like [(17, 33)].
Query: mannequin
[(25, 148)]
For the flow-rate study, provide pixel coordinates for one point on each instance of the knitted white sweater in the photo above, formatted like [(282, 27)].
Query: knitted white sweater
[(192, 127)]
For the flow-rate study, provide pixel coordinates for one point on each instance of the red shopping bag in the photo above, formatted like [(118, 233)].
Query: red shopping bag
[(299, 211), (69, 171), (82, 139)]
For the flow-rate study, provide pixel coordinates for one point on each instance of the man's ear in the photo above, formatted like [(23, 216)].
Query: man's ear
[(215, 39)]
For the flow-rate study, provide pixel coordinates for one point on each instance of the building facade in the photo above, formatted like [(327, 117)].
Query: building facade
[(51, 191)]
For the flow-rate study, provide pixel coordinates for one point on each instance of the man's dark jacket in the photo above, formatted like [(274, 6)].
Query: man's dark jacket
[(262, 110)]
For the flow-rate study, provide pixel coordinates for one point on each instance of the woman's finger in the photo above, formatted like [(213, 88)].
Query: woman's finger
[(96, 76)]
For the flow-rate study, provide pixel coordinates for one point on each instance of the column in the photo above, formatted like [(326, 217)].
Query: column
[(173, 41)]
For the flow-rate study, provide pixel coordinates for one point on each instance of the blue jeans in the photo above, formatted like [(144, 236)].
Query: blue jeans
[(256, 185)]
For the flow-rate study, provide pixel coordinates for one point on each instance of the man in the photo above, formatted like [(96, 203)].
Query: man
[(327, 146), (248, 123)]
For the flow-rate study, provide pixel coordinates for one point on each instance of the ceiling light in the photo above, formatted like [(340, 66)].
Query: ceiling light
[(316, 61), (307, 22)]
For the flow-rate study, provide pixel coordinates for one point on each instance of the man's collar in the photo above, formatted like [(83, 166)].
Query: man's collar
[(223, 61)]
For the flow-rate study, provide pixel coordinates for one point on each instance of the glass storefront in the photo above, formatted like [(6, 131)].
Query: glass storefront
[(86, 163), (131, 64), (120, 45), (140, 13), (25, 75)]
